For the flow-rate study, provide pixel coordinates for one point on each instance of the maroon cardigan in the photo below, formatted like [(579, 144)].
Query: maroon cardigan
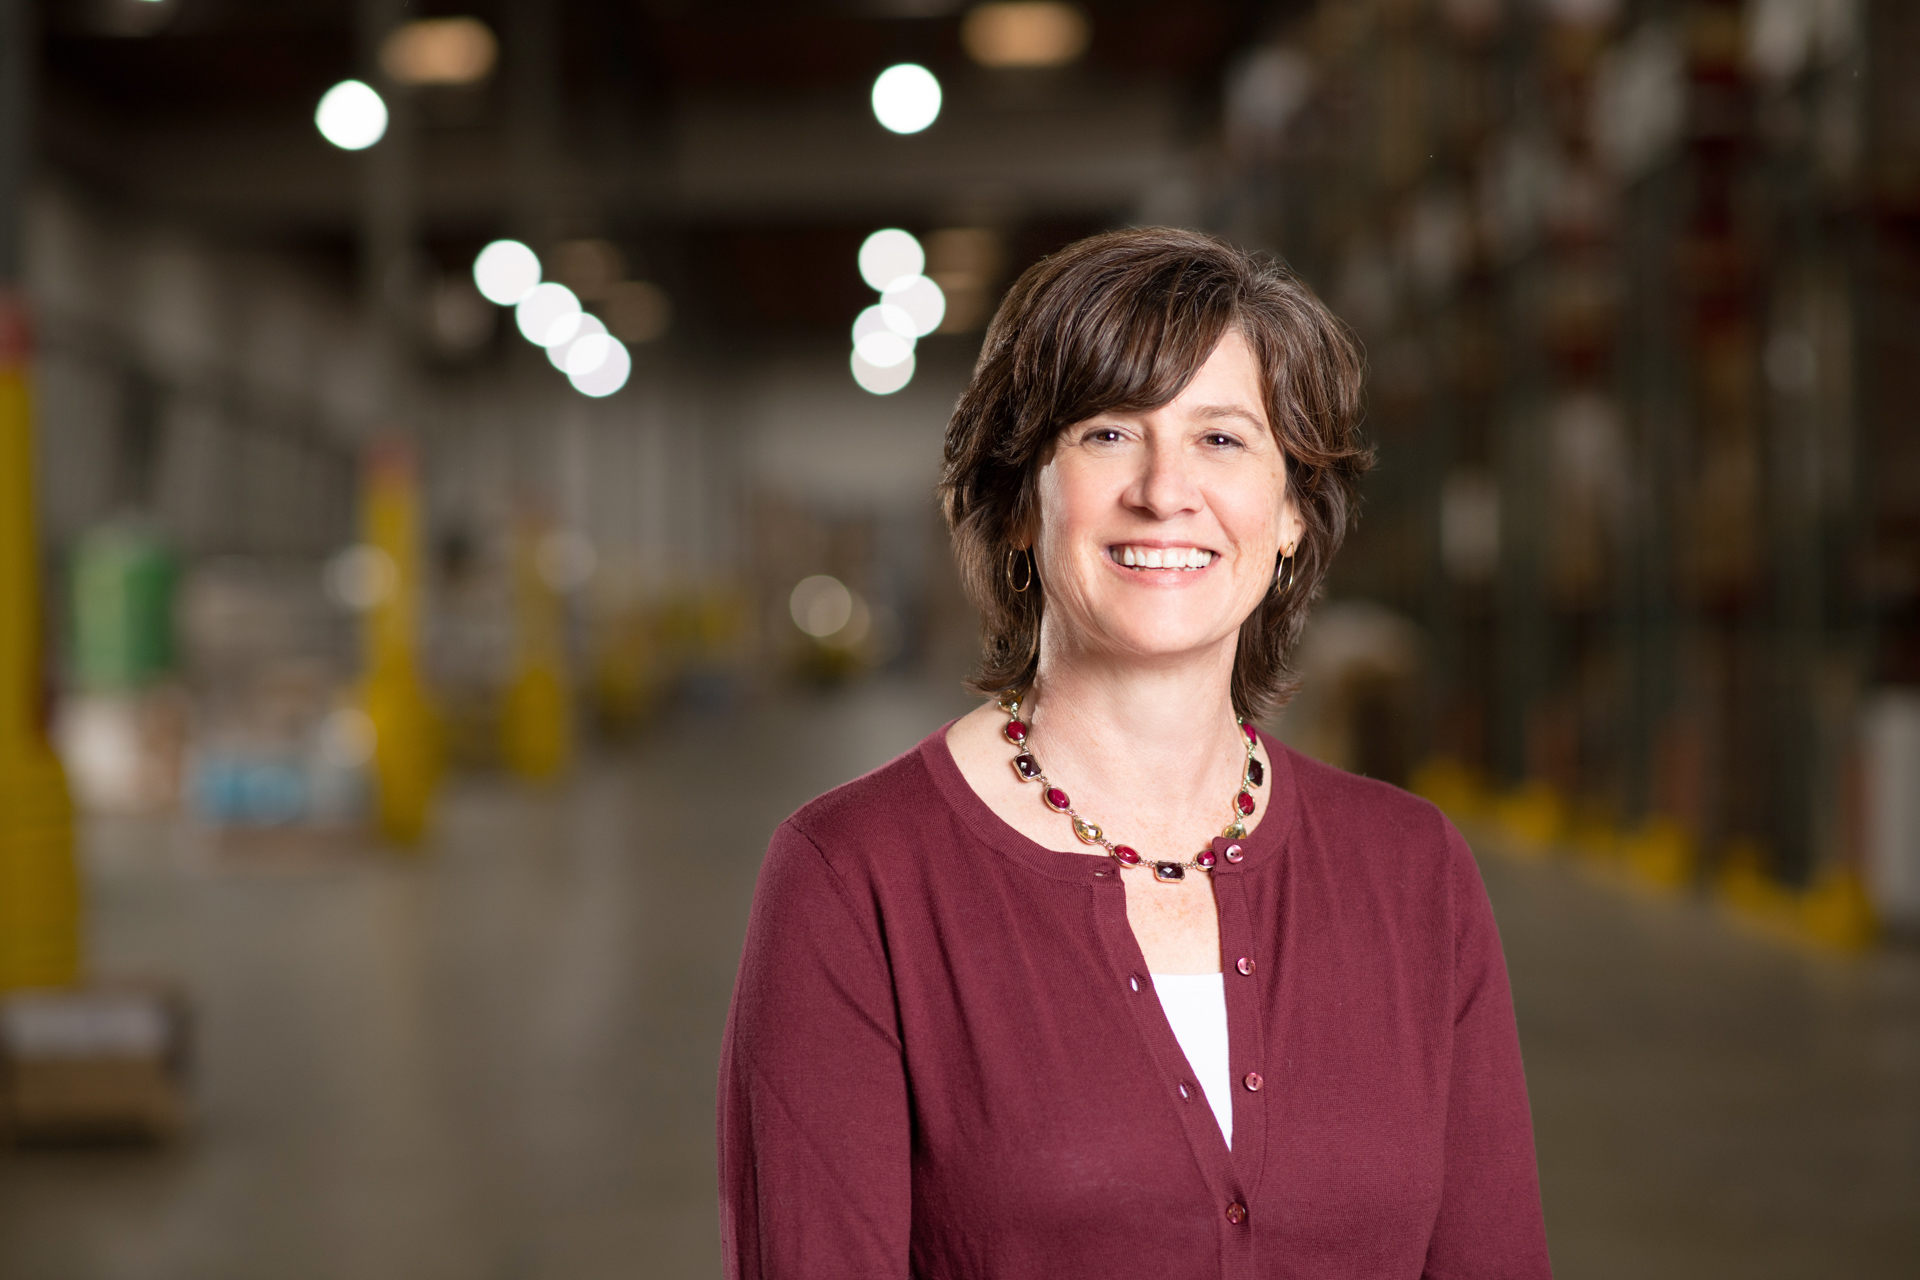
[(944, 1057)]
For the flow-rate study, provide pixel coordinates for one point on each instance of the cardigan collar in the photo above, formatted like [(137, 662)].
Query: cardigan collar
[(1262, 845)]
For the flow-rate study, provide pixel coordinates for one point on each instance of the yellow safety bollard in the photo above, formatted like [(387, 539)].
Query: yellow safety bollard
[(39, 883), (536, 730), (406, 754)]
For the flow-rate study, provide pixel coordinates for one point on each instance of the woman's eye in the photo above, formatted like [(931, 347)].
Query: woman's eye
[(1103, 435), (1221, 439)]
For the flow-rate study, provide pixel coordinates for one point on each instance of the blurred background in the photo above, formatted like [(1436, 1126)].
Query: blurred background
[(465, 475)]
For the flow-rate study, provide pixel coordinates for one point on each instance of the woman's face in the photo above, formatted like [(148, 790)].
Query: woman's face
[(1159, 528)]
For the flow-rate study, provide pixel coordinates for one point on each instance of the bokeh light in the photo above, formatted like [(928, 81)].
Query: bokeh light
[(881, 380), (1024, 33), (821, 605), (548, 315), (440, 50), (451, 51), (889, 255), (885, 349), (906, 98), (360, 577), (351, 115), (606, 377), (506, 272), (587, 353), (884, 317), (561, 352), (921, 300)]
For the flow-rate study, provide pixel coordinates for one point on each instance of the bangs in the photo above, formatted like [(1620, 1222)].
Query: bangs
[(1127, 339)]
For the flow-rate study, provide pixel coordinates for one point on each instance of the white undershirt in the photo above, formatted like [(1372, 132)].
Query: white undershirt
[(1196, 1006)]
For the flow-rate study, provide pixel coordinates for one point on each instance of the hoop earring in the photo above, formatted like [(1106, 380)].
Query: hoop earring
[(1283, 584), (1019, 555)]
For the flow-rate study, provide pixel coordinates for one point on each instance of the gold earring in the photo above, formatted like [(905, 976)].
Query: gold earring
[(1283, 584), (1019, 555)]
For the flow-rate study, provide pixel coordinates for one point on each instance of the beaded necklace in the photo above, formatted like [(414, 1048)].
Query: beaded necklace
[(1027, 768)]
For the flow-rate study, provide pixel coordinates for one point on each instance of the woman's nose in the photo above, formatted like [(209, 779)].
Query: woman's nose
[(1165, 486)]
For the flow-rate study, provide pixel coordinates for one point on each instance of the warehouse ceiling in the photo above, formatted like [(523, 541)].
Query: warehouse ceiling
[(736, 137)]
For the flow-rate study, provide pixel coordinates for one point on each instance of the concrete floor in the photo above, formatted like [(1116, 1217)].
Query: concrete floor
[(495, 1061)]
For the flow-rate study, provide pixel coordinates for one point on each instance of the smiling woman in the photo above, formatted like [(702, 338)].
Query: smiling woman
[(982, 996), (1122, 322)]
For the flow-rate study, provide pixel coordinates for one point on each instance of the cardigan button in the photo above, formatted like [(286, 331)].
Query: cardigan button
[(1253, 1082), (1245, 965), (1236, 1213), (1235, 853)]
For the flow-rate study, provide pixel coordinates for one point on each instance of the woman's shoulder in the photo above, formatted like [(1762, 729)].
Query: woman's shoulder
[(1365, 814), (873, 810)]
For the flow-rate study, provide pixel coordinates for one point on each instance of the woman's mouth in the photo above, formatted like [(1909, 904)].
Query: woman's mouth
[(1162, 558)]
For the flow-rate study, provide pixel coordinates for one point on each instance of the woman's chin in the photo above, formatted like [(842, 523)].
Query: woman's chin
[(1152, 642)]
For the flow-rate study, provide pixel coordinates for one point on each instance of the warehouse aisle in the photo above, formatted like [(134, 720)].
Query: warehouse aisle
[(495, 1061)]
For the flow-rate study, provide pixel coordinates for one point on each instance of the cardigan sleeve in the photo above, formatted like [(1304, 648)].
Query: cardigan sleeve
[(1489, 1226), (814, 1127)]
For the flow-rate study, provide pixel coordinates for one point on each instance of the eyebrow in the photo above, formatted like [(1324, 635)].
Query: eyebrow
[(1230, 411)]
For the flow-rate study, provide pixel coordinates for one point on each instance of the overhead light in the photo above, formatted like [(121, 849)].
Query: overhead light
[(586, 353), (506, 271), (548, 315), (439, 51), (881, 380), (884, 350), (606, 377), (561, 352), (906, 98), (890, 255), (351, 115), (922, 301), (884, 318), (1024, 33)]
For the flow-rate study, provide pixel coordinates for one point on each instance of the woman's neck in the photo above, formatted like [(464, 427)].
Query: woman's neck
[(1168, 728)]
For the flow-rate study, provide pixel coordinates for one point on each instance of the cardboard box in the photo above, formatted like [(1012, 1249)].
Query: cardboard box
[(92, 1064)]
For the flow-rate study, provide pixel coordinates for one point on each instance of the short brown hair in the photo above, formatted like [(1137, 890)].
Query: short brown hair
[(1123, 321)]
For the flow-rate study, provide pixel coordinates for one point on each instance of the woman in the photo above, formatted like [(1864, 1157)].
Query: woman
[(1098, 981)]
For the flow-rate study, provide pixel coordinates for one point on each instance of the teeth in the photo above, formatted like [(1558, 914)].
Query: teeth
[(1163, 557)]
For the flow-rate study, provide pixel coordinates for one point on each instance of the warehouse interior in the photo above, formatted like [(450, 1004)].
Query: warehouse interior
[(466, 474)]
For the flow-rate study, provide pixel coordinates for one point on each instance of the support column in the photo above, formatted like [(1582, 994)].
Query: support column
[(407, 748), (39, 884)]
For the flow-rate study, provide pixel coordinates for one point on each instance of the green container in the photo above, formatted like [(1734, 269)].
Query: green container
[(123, 584)]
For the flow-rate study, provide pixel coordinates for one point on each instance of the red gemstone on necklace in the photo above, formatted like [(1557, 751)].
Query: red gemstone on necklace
[(1124, 854), (1057, 799), (1244, 803), (1015, 732), (1205, 858), (1256, 772), (1026, 766)]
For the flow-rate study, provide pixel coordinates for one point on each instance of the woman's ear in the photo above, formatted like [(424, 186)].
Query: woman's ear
[(1293, 529)]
